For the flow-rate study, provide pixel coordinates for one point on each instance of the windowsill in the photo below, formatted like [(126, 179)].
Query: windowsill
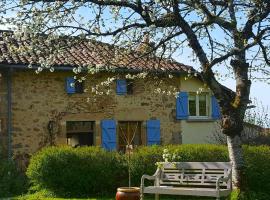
[(198, 119)]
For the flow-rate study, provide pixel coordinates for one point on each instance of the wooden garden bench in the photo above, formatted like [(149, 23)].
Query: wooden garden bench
[(210, 179)]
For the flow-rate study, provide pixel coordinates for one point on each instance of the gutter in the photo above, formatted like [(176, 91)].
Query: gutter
[(34, 67), (70, 68), (9, 114)]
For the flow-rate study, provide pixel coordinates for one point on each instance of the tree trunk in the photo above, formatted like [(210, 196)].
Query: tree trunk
[(236, 157)]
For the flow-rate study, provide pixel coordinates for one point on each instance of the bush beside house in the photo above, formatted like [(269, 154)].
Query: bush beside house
[(80, 172), (12, 181), (91, 171)]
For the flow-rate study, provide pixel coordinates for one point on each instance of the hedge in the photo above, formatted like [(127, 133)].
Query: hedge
[(91, 171), (12, 181)]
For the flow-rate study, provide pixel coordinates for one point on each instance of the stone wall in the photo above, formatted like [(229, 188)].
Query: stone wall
[(37, 99)]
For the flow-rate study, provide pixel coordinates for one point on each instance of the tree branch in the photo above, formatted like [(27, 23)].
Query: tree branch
[(255, 17), (108, 33)]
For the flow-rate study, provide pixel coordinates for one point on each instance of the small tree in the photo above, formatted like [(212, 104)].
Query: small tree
[(129, 145), (232, 33)]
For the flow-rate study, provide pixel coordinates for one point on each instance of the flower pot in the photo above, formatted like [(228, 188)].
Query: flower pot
[(128, 193)]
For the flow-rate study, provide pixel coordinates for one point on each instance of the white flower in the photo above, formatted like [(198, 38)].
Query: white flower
[(128, 76), (158, 90), (75, 70), (79, 70), (39, 69)]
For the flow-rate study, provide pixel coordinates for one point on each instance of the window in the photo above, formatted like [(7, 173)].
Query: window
[(130, 85), (79, 87), (80, 133), (74, 86), (129, 132), (124, 86), (198, 105)]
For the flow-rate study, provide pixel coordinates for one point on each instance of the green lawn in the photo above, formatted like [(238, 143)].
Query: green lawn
[(43, 196), (37, 197), (149, 197)]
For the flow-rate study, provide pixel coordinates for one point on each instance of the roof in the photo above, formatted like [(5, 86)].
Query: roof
[(83, 52)]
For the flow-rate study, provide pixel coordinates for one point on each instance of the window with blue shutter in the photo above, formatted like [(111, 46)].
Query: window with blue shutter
[(121, 87), (74, 86), (215, 108), (182, 106), (108, 131), (70, 89), (153, 132)]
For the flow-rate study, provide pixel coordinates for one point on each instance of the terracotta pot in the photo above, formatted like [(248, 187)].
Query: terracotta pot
[(128, 193)]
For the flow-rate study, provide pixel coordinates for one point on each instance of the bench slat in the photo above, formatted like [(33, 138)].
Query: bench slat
[(197, 165), (197, 184)]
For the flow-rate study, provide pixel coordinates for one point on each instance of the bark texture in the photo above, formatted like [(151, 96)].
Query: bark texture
[(237, 160)]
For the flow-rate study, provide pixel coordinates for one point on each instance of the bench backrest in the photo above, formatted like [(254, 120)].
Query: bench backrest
[(203, 174)]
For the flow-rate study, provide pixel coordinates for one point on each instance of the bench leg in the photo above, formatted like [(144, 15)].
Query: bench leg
[(141, 196), (156, 196)]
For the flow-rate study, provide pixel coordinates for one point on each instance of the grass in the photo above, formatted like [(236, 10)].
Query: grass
[(38, 196), (44, 196)]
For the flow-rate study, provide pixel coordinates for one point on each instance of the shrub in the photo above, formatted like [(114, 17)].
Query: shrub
[(12, 182), (258, 168), (76, 172), (91, 171), (143, 160)]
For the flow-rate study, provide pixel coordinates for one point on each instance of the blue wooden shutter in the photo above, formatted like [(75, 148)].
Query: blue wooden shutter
[(215, 108), (121, 87), (108, 129), (153, 132), (69, 88), (182, 106)]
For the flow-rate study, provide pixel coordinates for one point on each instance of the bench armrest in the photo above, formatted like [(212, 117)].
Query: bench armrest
[(154, 177), (224, 179)]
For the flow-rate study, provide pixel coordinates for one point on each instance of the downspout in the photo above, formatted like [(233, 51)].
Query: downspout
[(9, 109)]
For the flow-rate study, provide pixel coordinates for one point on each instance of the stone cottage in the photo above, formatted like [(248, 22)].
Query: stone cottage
[(60, 109)]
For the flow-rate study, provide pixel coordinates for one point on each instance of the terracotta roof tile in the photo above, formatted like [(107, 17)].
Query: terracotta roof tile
[(82, 53)]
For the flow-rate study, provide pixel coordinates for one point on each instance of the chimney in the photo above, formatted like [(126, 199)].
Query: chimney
[(145, 46)]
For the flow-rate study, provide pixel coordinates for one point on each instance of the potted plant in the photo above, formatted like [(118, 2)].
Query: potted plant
[(128, 193)]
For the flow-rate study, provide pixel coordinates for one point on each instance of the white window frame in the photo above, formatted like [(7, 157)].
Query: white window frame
[(208, 106)]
